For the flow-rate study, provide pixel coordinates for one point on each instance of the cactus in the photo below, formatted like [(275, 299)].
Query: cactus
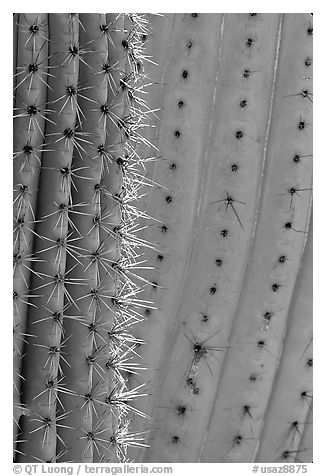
[(162, 237)]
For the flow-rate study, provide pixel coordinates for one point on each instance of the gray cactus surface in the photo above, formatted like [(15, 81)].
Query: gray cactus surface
[(162, 237)]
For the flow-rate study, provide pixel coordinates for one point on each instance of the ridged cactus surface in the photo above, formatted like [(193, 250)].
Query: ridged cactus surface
[(162, 237)]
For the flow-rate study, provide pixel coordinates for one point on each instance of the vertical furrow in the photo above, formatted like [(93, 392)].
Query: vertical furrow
[(44, 350)]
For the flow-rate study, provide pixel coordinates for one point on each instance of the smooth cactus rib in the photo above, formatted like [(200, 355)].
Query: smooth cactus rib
[(305, 452), (254, 352), (291, 400)]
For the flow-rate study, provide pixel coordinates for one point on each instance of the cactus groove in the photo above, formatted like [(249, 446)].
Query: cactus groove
[(162, 237)]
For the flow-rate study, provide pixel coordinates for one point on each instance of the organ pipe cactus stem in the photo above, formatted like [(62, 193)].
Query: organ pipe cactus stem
[(162, 237)]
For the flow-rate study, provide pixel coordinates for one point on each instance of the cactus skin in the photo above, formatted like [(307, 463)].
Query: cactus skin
[(228, 287), (207, 246), (224, 325), (294, 403), (263, 269), (28, 145)]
